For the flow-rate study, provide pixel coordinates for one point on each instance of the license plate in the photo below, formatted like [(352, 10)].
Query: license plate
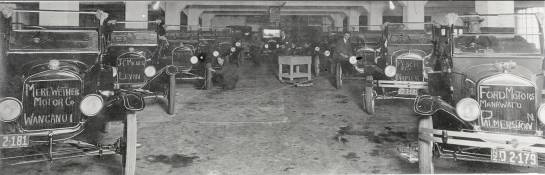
[(14, 141), (407, 91), (514, 157)]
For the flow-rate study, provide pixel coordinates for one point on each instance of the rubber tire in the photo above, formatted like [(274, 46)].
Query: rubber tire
[(369, 99), (171, 94), (208, 77), (338, 76), (129, 137), (425, 148)]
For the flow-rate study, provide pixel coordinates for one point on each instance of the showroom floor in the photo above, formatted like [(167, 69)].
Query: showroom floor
[(266, 127)]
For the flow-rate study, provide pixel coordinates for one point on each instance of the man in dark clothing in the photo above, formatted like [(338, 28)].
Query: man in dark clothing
[(227, 76), (343, 51)]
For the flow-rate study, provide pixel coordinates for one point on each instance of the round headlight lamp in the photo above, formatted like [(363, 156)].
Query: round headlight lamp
[(266, 46), (277, 45), (194, 60), (317, 49), (327, 53), (541, 113), (91, 105), (233, 49), (353, 60), (150, 71), (390, 71), (216, 53), (10, 109), (238, 44), (468, 109)]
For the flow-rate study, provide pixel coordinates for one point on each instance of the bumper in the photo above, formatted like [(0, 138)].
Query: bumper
[(476, 146)]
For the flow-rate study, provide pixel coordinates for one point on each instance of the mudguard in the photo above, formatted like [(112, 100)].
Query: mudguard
[(427, 105)]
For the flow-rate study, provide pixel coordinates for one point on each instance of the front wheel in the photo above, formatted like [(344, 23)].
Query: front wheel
[(316, 65), (369, 99), (208, 76), (129, 138), (425, 145), (338, 76)]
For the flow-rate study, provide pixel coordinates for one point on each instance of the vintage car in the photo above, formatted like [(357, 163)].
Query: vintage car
[(396, 69), (57, 90), (242, 35), (493, 109), (136, 57), (197, 54)]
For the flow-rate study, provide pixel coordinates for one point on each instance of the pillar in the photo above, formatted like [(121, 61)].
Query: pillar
[(496, 7), (413, 12), (375, 13), (172, 13), (337, 21), (354, 19), (206, 19), (59, 19), (193, 16), (136, 11)]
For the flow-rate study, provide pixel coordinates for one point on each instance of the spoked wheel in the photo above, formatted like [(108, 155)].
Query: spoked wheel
[(338, 76), (316, 65), (425, 146), (129, 139), (171, 94), (208, 76), (369, 99)]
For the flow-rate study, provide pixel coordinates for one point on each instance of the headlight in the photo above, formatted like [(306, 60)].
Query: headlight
[(193, 60), (317, 49), (390, 71), (541, 113), (10, 109), (216, 53), (266, 46), (238, 44), (233, 49), (114, 71), (353, 60), (468, 109), (150, 71), (277, 45), (327, 53), (91, 104)]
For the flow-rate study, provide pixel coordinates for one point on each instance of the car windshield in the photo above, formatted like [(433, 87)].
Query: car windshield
[(497, 34), (410, 33), (53, 40)]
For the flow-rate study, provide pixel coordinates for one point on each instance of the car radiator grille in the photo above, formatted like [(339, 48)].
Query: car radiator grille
[(51, 104), (409, 70)]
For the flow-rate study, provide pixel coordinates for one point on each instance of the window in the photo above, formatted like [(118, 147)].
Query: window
[(528, 25)]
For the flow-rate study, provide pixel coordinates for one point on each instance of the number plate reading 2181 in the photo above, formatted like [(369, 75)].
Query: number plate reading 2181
[(522, 158), (13, 141)]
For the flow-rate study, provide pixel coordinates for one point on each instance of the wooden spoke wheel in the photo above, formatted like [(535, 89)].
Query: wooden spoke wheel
[(208, 76), (338, 76), (368, 96), (171, 94)]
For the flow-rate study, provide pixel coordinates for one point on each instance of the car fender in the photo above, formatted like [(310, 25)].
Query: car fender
[(439, 110)]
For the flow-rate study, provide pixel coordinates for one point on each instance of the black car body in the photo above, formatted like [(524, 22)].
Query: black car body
[(136, 56), (493, 109), (58, 87)]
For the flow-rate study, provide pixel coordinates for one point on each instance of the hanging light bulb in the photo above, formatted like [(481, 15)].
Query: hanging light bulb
[(392, 5)]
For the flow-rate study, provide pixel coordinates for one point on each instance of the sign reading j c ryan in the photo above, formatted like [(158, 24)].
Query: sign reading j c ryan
[(509, 109), (51, 104), (131, 68)]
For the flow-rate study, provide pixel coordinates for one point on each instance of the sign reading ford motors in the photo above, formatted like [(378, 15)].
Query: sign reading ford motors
[(508, 109)]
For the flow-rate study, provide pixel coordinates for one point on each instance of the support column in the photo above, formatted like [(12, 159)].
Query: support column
[(206, 19), (136, 11), (496, 7), (375, 13), (413, 11), (354, 20), (172, 13), (59, 19), (337, 21), (193, 16)]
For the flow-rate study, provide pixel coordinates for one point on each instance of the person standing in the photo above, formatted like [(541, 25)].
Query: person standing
[(342, 52)]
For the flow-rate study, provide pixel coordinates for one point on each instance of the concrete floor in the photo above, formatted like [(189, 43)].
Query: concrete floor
[(266, 127)]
